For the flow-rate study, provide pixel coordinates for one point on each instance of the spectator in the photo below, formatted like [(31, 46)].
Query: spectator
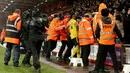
[(120, 24), (127, 27)]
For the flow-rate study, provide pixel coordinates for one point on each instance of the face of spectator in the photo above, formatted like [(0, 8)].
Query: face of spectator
[(78, 20), (128, 11), (117, 21), (123, 11), (90, 17)]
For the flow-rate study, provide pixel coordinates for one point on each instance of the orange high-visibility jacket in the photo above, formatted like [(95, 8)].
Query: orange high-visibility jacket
[(13, 28), (85, 33), (2, 34), (107, 35), (64, 33), (54, 30), (98, 16)]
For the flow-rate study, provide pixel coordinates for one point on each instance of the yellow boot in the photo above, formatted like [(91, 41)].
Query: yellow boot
[(78, 53), (76, 50)]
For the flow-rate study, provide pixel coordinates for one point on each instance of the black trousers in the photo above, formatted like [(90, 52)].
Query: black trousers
[(64, 43), (85, 51), (35, 46), (45, 47), (51, 46), (101, 56), (28, 54), (71, 43)]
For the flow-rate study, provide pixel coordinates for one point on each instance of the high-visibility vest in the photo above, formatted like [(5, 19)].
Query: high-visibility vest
[(85, 33), (107, 35), (12, 29), (64, 33), (97, 18), (54, 30)]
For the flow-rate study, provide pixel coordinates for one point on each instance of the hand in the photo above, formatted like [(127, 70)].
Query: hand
[(2, 42), (122, 45), (64, 27)]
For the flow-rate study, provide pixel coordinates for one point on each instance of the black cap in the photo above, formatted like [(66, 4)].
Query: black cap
[(35, 12), (17, 10), (105, 12)]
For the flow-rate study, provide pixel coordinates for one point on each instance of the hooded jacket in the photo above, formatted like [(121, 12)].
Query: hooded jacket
[(26, 17), (98, 16), (37, 27), (85, 34), (13, 28), (107, 21)]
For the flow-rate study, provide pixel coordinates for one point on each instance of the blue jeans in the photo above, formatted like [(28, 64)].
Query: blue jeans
[(16, 53)]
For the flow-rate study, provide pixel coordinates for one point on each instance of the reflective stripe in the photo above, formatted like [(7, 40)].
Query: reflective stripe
[(101, 26), (18, 18), (106, 38), (11, 25), (112, 22), (95, 19), (11, 30), (82, 33), (83, 39), (89, 28), (106, 32), (7, 21), (80, 28), (91, 37), (84, 20)]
